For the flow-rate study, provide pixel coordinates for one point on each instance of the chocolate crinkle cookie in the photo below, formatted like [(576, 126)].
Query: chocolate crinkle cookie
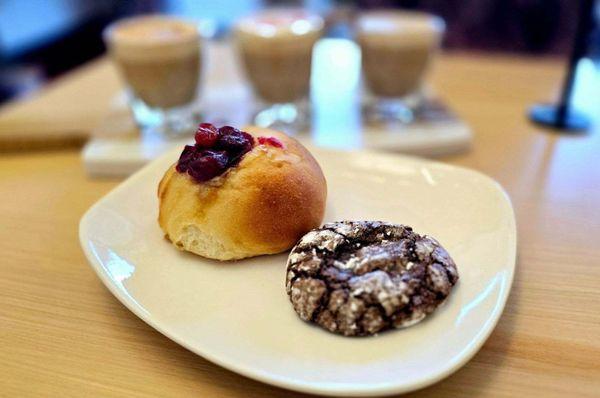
[(358, 278)]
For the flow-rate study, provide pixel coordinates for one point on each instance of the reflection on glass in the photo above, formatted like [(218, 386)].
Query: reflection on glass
[(336, 102)]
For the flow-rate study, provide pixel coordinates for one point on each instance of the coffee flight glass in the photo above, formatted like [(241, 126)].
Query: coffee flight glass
[(397, 48), (275, 48), (160, 61)]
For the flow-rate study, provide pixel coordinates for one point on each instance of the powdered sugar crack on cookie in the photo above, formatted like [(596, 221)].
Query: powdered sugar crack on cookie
[(359, 278)]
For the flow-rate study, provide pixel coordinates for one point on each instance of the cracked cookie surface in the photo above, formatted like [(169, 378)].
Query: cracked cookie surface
[(359, 278)]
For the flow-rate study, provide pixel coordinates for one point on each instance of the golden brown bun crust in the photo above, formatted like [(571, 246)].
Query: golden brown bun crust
[(261, 206)]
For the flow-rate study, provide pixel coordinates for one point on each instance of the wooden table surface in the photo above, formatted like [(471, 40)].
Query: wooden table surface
[(63, 334)]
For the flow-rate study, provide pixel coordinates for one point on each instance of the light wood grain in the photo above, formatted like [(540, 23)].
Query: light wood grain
[(63, 114), (63, 334)]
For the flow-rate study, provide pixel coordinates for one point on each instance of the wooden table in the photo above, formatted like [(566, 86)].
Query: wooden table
[(63, 334)]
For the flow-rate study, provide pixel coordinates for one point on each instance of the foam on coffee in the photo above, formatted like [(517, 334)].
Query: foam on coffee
[(153, 37), (400, 28), (281, 25)]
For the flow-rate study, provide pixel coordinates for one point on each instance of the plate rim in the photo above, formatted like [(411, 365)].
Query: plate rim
[(338, 389)]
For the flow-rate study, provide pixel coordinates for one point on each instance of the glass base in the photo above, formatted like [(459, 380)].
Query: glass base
[(290, 117), (392, 110), (169, 123)]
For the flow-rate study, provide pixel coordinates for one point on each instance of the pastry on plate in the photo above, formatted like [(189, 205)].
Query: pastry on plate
[(358, 278), (236, 194)]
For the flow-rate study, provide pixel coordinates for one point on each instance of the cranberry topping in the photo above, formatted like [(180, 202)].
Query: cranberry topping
[(215, 151), (272, 141), (209, 165), (188, 155), (234, 140), (206, 135)]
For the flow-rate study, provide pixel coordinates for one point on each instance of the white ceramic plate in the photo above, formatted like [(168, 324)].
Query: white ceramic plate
[(238, 314)]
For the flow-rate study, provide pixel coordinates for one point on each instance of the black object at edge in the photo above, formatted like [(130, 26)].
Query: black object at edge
[(562, 115)]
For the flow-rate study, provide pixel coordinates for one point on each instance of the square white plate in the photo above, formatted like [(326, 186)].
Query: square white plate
[(238, 314)]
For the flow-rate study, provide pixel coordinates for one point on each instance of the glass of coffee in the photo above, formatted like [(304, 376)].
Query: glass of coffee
[(275, 47), (159, 58), (397, 48)]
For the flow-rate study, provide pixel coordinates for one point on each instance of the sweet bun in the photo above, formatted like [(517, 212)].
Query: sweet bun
[(261, 205)]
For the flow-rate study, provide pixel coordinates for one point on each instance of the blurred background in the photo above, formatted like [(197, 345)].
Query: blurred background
[(41, 39)]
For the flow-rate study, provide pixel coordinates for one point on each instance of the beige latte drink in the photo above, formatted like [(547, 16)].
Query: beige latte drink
[(397, 47), (276, 50), (158, 57)]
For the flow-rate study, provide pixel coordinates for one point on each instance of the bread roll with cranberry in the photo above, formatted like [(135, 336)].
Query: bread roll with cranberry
[(219, 204)]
